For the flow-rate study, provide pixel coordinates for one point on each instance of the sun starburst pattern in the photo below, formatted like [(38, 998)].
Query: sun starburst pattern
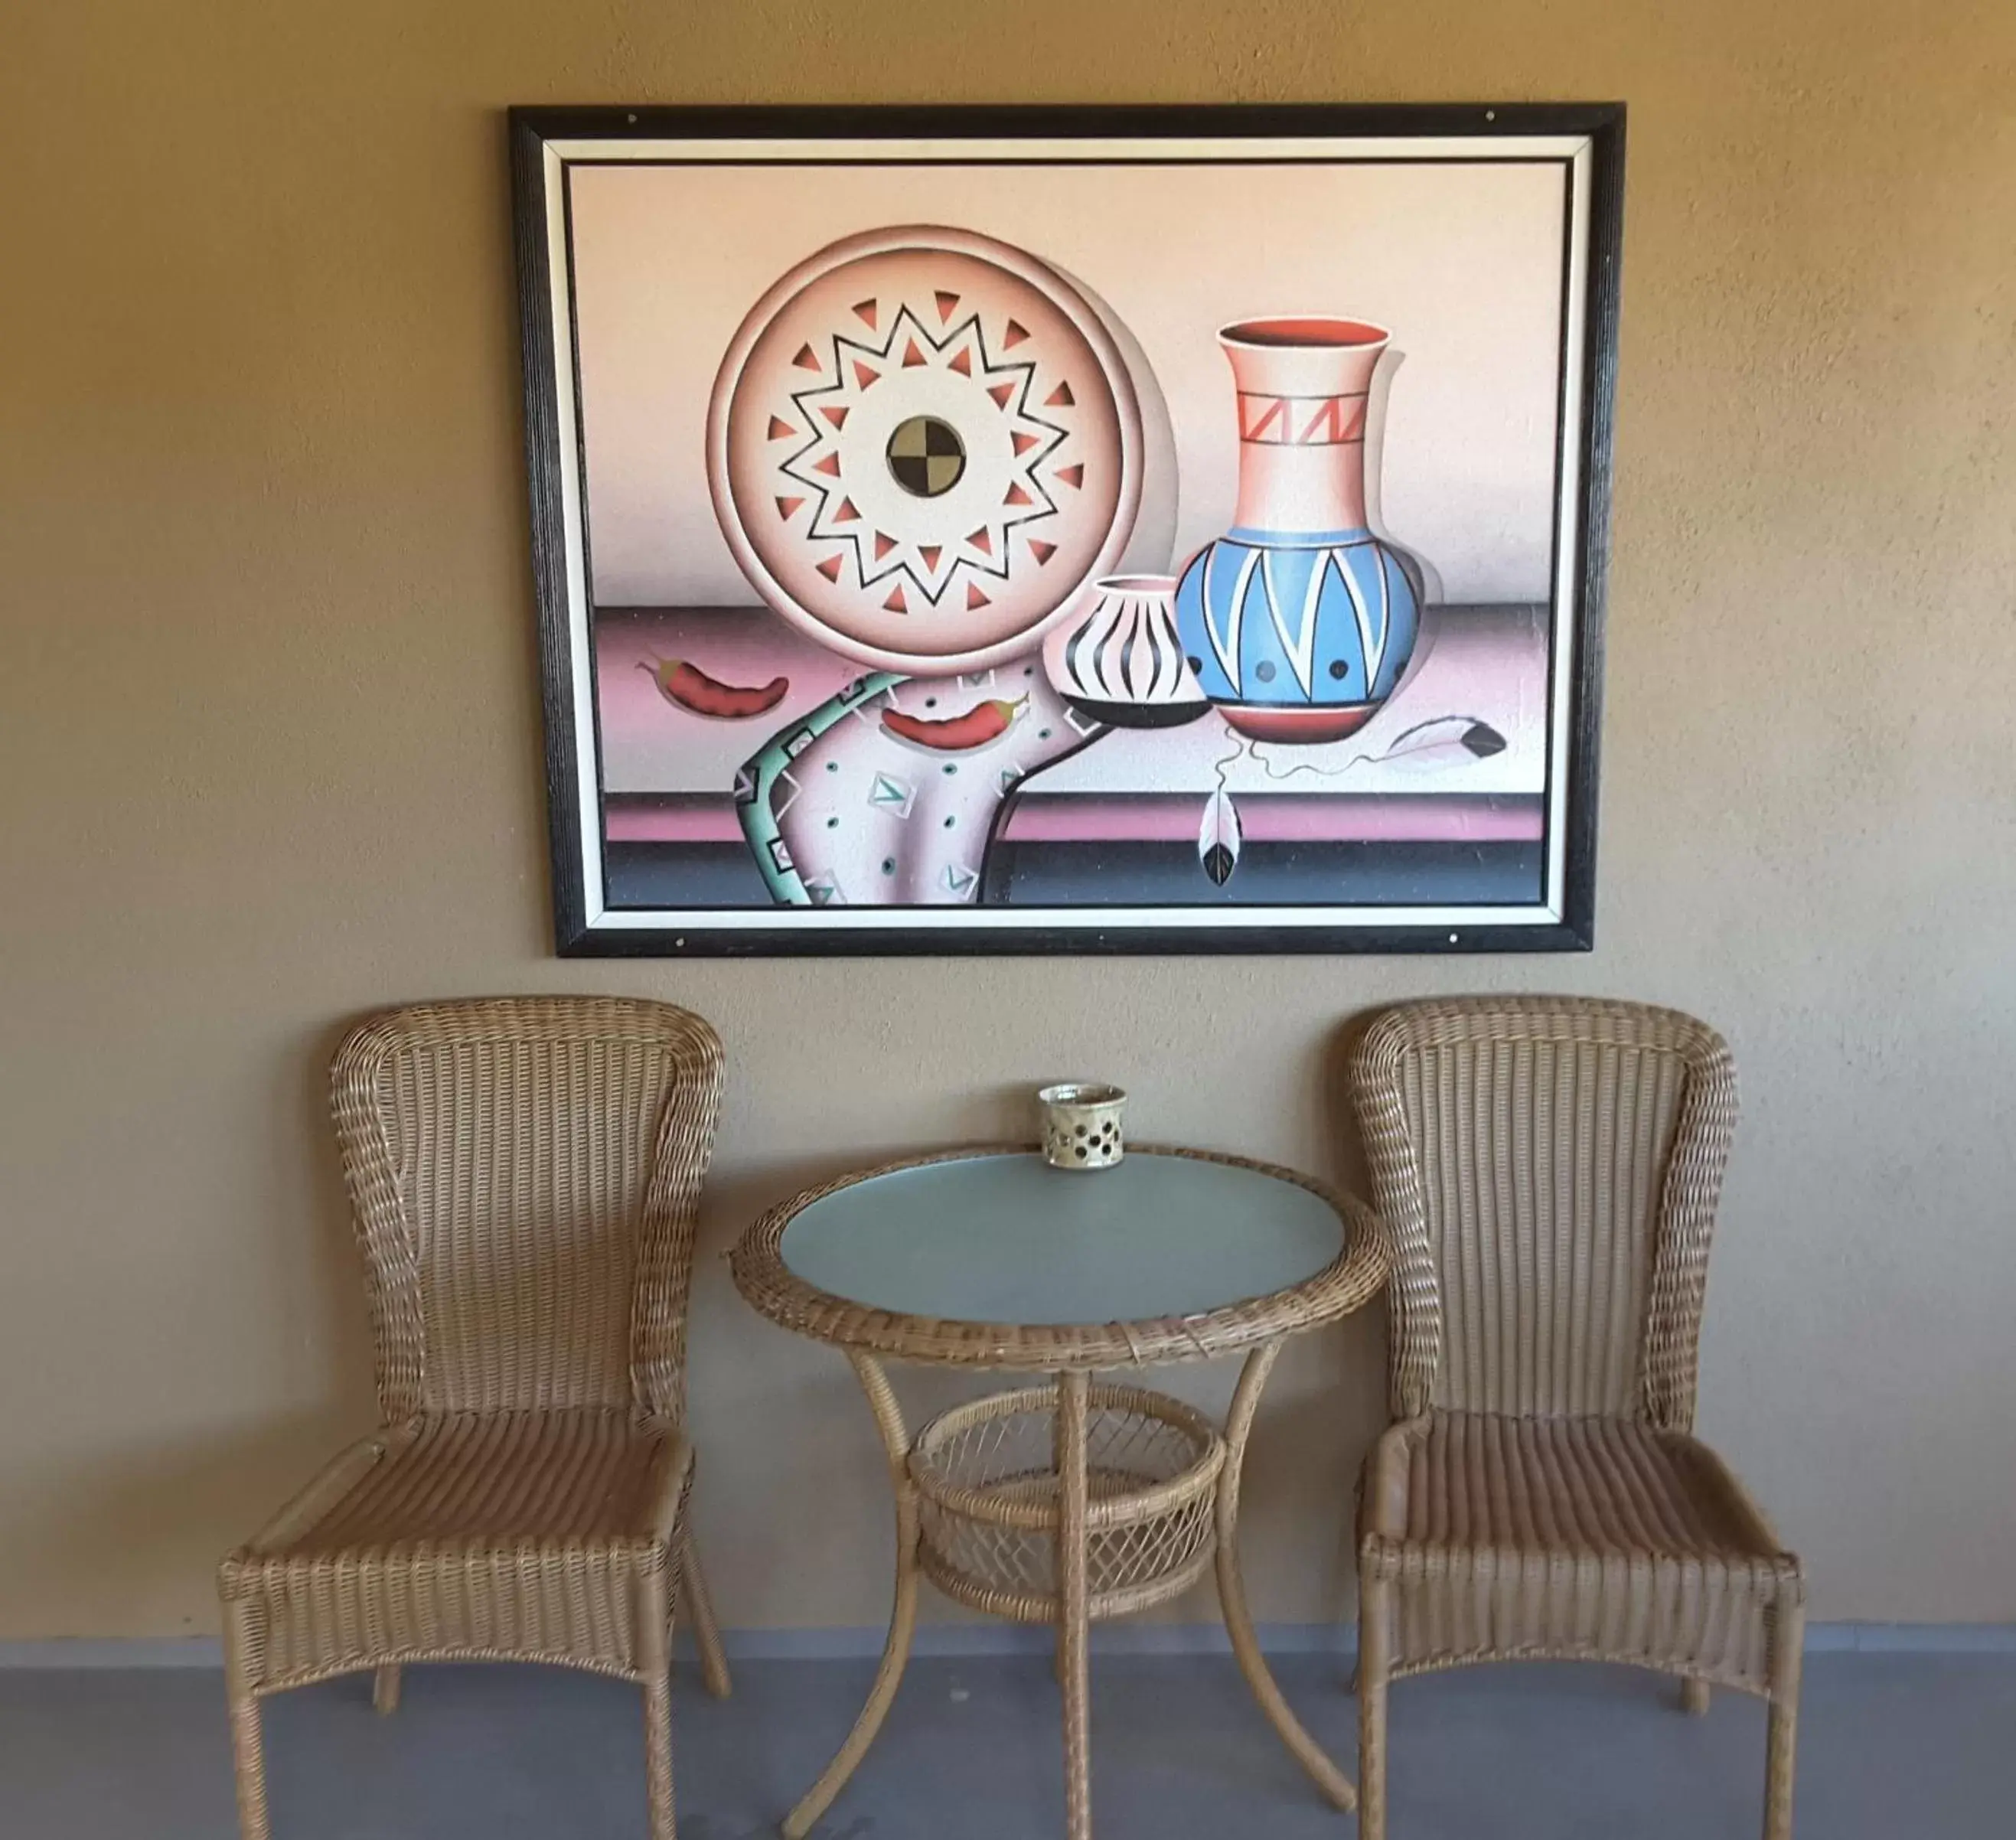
[(919, 464)]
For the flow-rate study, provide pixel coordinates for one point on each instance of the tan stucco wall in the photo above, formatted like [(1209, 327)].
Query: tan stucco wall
[(268, 750)]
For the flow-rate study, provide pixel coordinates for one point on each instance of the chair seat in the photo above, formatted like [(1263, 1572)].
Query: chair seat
[(500, 1478), (1597, 1538), (1606, 1486), (477, 1534)]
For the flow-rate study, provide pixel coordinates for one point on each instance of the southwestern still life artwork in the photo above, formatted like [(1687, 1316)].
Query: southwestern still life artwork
[(1082, 529)]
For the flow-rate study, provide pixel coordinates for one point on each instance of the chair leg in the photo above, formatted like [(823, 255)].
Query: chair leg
[(248, 1753), (385, 1690), (1695, 1696), (1375, 1650), (1788, 1635), (1351, 1535), (654, 1666), (700, 1607), (658, 1757), (248, 1758)]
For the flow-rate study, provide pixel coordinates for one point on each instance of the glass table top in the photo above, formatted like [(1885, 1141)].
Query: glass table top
[(1002, 1237)]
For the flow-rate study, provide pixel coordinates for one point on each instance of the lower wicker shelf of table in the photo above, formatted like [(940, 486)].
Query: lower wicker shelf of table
[(986, 1478)]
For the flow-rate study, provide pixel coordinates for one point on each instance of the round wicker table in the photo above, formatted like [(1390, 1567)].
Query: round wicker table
[(1067, 1501)]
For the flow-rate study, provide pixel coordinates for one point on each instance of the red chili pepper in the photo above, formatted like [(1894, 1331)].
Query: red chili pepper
[(981, 724), (691, 688)]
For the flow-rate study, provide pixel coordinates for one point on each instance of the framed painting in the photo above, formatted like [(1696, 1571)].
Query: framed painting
[(1053, 529)]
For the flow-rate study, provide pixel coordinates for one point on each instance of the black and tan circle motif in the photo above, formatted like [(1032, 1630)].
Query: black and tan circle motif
[(926, 456), (948, 548)]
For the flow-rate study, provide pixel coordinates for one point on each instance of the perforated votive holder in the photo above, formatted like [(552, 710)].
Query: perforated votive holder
[(1081, 1126)]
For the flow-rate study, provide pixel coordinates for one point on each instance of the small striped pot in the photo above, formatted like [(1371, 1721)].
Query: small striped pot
[(1120, 661)]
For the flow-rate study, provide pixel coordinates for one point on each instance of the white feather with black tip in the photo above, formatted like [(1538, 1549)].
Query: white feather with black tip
[(1218, 837), (1447, 741)]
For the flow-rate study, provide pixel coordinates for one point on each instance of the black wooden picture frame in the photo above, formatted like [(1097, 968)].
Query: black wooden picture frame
[(617, 849)]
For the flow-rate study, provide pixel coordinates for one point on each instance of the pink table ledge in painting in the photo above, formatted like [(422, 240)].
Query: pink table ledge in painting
[(1073, 1499)]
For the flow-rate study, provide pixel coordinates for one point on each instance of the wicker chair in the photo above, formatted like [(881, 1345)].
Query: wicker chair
[(525, 1175), (1547, 1169)]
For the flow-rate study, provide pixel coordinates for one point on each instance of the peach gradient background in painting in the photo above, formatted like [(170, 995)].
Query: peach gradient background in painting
[(1463, 262)]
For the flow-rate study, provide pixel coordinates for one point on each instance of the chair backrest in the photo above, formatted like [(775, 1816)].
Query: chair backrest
[(1548, 1168), (525, 1174)]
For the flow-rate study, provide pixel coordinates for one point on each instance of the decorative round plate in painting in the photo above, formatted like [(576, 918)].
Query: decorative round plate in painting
[(922, 444)]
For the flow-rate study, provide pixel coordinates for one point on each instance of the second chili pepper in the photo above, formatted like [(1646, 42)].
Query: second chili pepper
[(982, 723)]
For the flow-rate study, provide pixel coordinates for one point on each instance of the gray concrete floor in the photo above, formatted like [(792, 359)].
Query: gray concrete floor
[(1893, 1747)]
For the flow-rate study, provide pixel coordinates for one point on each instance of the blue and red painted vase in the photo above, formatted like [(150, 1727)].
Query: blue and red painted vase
[(1299, 621)]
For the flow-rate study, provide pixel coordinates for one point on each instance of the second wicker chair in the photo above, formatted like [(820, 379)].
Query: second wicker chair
[(1548, 1171), (525, 1175)]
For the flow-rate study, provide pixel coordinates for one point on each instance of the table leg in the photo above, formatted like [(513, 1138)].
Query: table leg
[(903, 1616), (1232, 1588), (1073, 1596)]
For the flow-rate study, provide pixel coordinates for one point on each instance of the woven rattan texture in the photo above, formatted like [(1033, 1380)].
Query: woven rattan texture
[(1351, 1280), (1566, 1537), (987, 1481), (1550, 1174), (1037, 1498), (1548, 1171), (525, 1175)]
